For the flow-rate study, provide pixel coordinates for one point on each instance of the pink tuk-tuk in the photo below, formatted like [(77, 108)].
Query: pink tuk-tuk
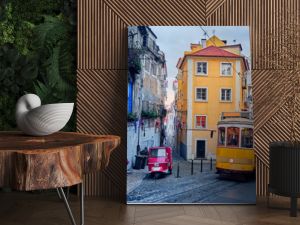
[(160, 161)]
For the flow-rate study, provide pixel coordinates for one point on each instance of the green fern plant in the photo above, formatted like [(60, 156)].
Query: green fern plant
[(17, 73), (55, 47)]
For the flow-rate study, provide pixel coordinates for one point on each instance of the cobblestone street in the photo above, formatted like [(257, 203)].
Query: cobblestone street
[(205, 187)]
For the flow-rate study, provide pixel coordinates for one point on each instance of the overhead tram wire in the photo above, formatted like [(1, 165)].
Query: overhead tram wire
[(228, 60), (206, 34)]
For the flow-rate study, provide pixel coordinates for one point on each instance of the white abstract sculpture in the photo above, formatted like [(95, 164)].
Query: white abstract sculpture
[(40, 120)]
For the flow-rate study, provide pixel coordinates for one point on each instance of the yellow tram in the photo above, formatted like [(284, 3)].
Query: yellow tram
[(235, 153)]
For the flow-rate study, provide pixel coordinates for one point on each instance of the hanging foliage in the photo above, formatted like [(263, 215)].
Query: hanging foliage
[(38, 50), (134, 62), (56, 62), (17, 73)]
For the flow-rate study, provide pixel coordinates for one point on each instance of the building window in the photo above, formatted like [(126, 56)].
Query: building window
[(226, 69), (247, 138), (147, 64), (200, 121), (151, 44), (225, 95), (130, 40), (221, 139), (153, 69), (233, 135), (201, 68), (201, 94), (160, 152), (145, 40)]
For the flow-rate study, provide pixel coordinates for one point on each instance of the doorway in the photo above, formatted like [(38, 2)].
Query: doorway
[(200, 148)]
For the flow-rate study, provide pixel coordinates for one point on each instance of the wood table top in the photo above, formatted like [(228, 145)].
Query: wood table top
[(57, 160), (17, 141)]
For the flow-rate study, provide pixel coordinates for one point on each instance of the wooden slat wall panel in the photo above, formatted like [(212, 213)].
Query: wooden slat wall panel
[(102, 37), (271, 117), (160, 13), (263, 17), (102, 63), (262, 177), (212, 5), (101, 109)]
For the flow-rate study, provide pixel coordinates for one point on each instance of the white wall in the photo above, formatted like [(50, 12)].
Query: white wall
[(131, 145), (150, 139)]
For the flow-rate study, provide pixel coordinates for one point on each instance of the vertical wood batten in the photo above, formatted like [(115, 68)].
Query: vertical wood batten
[(102, 38)]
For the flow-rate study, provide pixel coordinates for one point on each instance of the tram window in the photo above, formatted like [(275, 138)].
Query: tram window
[(247, 137), (233, 136), (221, 136)]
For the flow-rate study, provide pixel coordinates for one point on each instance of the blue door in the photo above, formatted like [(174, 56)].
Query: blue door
[(129, 97)]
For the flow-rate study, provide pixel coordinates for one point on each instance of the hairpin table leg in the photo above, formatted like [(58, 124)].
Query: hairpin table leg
[(81, 204), (62, 195)]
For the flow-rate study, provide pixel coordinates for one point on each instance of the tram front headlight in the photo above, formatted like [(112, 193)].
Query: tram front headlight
[(231, 160)]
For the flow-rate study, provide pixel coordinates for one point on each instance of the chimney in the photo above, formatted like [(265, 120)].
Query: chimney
[(203, 42)]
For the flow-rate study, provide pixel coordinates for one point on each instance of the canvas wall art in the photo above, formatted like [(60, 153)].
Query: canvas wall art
[(189, 115)]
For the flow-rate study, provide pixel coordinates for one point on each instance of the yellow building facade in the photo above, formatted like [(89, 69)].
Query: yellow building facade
[(210, 82)]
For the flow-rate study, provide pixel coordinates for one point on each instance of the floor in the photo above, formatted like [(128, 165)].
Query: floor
[(44, 209)]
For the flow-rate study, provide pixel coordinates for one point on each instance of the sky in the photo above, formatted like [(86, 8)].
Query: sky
[(174, 40)]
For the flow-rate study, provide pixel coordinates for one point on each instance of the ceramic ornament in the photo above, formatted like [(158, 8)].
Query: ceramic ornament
[(40, 120)]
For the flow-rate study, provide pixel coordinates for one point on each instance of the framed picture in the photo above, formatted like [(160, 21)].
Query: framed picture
[(189, 115)]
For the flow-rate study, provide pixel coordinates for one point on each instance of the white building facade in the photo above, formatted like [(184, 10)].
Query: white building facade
[(147, 76)]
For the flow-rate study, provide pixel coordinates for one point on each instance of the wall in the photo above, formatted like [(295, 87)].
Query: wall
[(132, 142), (151, 137), (102, 59)]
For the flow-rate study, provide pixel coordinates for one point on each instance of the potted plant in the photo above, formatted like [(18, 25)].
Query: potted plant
[(132, 117)]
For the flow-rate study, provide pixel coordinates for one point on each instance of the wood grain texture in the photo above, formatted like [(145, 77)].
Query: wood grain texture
[(57, 160), (102, 109), (271, 118), (102, 37), (102, 58), (159, 13), (19, 207)]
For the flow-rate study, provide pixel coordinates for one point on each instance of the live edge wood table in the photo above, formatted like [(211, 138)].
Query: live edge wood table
[(52, 162)]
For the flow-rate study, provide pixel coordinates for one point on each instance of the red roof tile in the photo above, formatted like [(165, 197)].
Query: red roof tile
[(215, 52)]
